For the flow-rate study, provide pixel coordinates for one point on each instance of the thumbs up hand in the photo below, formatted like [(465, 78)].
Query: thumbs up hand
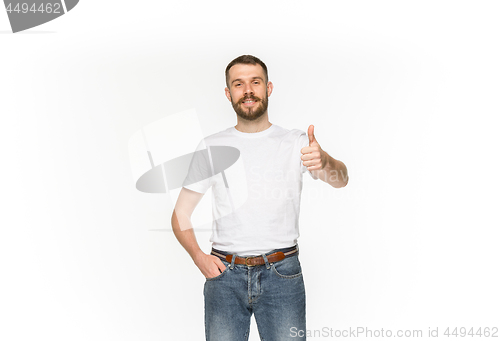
[(313, 157)]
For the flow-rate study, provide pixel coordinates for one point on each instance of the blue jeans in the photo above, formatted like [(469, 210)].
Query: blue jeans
[(274, 292)]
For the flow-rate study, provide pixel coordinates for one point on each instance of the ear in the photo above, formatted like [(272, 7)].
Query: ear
[(270, 88), (228, 94)]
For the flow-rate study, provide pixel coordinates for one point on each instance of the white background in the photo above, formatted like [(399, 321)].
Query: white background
[(405, 93)]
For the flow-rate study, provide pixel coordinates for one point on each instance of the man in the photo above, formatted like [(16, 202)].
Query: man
[(253, 267)]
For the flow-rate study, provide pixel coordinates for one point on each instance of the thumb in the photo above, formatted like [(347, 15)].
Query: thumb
[(310, 134)]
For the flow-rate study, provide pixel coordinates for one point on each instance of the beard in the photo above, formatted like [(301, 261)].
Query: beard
[(250, 114)]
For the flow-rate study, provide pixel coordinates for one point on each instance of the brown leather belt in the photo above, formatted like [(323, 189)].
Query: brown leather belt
[(256, 260)]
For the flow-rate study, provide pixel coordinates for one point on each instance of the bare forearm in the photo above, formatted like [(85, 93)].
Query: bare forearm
[(185, 235), (209, 265), (334, 172)]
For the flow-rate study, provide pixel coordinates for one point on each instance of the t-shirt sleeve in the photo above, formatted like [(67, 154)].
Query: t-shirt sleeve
[(304, 142), (199, 176)]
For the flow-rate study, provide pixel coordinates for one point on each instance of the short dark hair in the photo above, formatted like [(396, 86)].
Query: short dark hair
[(245, 59)]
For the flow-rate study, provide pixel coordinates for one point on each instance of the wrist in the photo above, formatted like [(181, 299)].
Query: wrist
[(197, 255), (330, 161)]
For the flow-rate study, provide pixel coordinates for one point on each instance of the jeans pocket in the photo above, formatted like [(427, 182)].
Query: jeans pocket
[(221, 274), (288, 268)]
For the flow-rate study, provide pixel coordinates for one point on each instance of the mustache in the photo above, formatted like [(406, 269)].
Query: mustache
[(255, 98)]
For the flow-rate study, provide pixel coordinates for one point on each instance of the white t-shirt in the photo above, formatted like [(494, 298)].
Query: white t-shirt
[(256, 199)]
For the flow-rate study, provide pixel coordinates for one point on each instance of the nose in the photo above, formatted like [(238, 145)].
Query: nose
[(248, 90)]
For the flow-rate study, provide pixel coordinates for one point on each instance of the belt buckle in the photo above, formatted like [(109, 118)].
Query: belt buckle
[(246, 261)]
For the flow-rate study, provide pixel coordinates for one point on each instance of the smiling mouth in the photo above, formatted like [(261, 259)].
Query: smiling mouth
[(249, 102)]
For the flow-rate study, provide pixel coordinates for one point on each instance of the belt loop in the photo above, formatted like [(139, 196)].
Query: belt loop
[(232, 261), (265, 260)]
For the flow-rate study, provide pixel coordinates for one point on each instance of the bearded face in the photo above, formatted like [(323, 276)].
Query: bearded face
[(248, 91), (250, 107)]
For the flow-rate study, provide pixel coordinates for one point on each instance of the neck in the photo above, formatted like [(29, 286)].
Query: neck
[(246, 126)]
